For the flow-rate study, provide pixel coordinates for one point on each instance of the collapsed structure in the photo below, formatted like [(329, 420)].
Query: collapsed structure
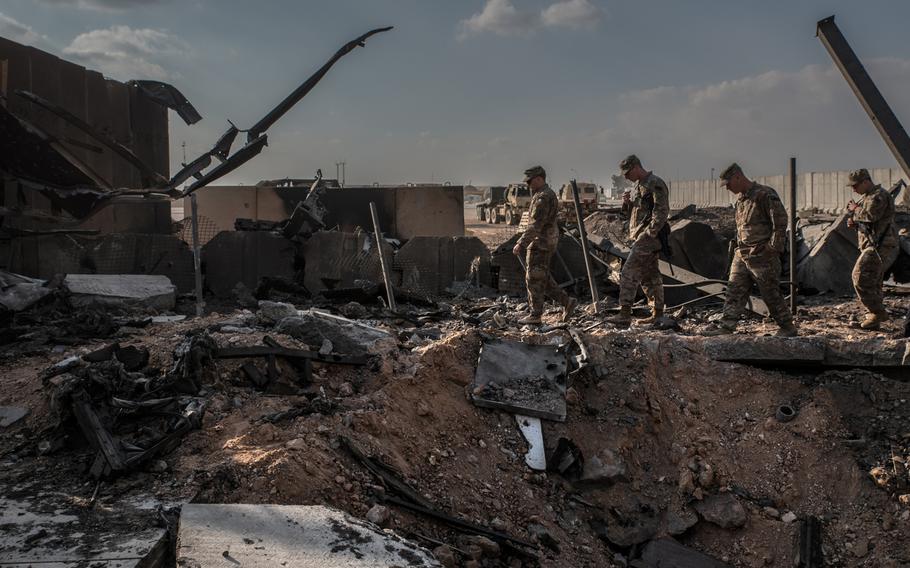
[(298, 366)]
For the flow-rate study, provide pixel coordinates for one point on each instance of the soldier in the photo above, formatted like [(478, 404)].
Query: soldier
[(761, 231), (873, 217), (647, 219), (538, 244)]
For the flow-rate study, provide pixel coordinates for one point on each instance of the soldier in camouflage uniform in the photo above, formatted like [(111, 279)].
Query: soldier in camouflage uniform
[(761, 231), (873, 217), (538, 244), (648, 212)]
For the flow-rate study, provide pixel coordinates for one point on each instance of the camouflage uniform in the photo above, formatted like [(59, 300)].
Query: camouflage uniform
[(539, 241), (761, 231), (878, 248), (641, 267)]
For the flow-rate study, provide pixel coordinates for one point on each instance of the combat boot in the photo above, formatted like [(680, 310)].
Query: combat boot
[(623, 318), (787, 331), (656, 314), (532, 319), (722, 327), (569, 308), (874, 321)]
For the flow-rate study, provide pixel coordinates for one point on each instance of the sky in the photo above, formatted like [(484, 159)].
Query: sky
[(476, 91)]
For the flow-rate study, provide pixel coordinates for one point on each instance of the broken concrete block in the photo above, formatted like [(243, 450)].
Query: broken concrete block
[(288, 535), (429, 265), (273, 312), (723, 509), (246, 256), (348, 337), (667, 553), (9, 415), (18, 292), (603, 470), (827, 266), (145, 291), (678, 523), (697, 248)]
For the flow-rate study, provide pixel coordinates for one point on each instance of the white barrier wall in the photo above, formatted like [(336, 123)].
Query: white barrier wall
[(822, 190)]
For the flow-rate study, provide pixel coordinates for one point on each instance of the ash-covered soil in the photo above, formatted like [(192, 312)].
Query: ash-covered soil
[(673, 434)]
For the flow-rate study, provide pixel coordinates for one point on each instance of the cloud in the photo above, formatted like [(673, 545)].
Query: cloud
[(123, 53), (17, 31), (500, 17), (574, 14), (108, 5), (760, 120)]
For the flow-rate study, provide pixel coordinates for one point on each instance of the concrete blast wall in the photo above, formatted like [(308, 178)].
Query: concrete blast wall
[(821, 190), (404, 212)]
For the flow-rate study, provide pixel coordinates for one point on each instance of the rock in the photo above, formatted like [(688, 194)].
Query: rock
[(723, 510), (706, 476), (861, 547), (348, 337), (158, 466), (423, 409), (243, 296), (379, 515), (772, 512), (346, 389), (629, 532), (473, 551), (444, 554), (788, 517), (679, 522), (572, 396), (488, 547), (603, 469), (326, 348), (686, 484), (271, 313), (296, 444), (541, 535), (353, 310)]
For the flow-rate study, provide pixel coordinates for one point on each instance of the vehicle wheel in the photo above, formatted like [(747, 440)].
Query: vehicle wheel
[(509, 217), (482, 215)]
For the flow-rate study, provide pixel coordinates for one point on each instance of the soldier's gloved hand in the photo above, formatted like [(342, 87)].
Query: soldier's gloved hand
[(758, 249), (627, 197), (852, 206)]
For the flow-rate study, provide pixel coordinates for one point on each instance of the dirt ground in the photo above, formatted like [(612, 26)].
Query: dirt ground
[(682, 429)]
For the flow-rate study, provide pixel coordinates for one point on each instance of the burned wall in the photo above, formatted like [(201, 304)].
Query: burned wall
[(404, 212), (111, 107)]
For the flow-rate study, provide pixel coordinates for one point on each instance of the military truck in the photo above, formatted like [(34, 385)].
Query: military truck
[(516, 201), (492, 197), (588, 197)]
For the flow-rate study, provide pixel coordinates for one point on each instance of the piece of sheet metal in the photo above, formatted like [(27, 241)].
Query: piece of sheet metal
[(532, 430), (522, 378)]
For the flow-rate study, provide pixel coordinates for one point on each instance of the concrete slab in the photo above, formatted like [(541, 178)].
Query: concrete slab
[(51, 527), (828, 266), (667, 553), (288, 535), (336, 259), (147, 291), (697, 248), (815, 351), (9, 415)]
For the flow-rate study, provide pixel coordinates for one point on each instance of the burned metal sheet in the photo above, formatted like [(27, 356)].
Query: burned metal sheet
[(522, 378), (25, 153), (169, 96)]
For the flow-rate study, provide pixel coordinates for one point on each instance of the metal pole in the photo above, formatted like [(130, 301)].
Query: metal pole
[(793, 235), (382, 260), (584, 248), (197, 261)]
